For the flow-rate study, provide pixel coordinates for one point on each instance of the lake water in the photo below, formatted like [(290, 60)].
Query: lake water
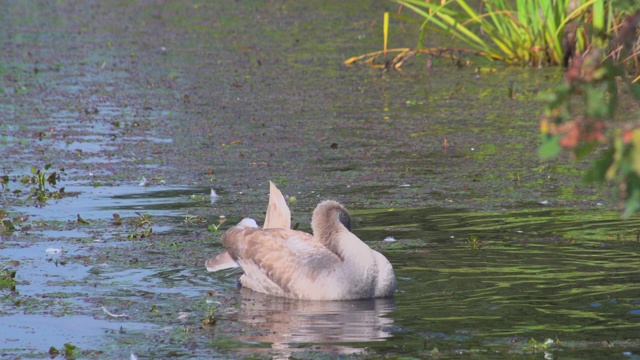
[(143, 108)]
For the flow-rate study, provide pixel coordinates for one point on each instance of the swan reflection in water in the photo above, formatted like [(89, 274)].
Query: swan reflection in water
[(288, 324)]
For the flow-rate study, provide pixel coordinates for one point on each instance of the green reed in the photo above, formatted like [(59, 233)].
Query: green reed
[(529, 31)]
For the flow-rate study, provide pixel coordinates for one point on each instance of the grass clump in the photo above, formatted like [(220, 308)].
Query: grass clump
[(528, 32)]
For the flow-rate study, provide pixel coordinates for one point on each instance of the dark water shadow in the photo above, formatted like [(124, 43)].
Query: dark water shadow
[(101, 202)]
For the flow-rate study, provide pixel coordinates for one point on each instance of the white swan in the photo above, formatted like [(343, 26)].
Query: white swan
[(331, 264)]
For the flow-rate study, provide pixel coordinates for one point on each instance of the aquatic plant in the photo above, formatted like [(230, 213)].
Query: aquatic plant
[(599, 85), (68, 351), (142, 227), (7, 226), (474, 242), (39, 179), (216, 228), (82, 221), (117, 220), (4, 180), (8, 275), (193, 219), (532, 32), (210, 318)]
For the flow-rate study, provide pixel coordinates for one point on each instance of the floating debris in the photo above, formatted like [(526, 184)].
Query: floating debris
[(183, 316), (53, 251), (214, 196), (112, 314), (389, 239)]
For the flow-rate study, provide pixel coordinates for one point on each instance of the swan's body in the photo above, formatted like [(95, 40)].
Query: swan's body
[(331, 264)]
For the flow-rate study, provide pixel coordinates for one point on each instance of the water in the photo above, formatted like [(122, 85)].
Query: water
[(284, 326), (495, 251), (492, 282), (468, 281)]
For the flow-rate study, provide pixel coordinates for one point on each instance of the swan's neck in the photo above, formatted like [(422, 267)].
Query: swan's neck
[(331, 225), (346, 245)]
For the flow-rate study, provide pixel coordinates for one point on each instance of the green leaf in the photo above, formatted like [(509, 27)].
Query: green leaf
[(584, 148), (632, 203), (550, 147), (600, 167)]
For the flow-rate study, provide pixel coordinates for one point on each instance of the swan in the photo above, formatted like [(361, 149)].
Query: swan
[(331, 264)]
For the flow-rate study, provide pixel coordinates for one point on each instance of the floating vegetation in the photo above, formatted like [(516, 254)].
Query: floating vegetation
[(68, 351), (210, 319), (404, 54), (142, 227), (198, 197), (474, 242), (39, 179), (216, 228), (8, 275), (7, 226), (41, 182), (191, 219), (104, 309), (82, 221)]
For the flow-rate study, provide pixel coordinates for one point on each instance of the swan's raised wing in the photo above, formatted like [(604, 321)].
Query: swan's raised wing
[(278, 216), (278, 213)]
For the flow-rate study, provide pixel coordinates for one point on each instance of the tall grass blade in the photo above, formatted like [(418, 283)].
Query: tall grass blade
[(385, 32), (597, 11)]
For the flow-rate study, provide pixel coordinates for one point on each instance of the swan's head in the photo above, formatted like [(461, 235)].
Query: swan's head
[(330, 216)]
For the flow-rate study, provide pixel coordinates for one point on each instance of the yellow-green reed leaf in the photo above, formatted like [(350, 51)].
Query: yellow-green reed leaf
[(418, 10), (468, 9), (405, 18), (501, 21), (385, 32), (507, 49), (504, 30), (577, 12), (530, 16), (441, 16), (417, 5), (597, 11), (446, 23), (462, 32)]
